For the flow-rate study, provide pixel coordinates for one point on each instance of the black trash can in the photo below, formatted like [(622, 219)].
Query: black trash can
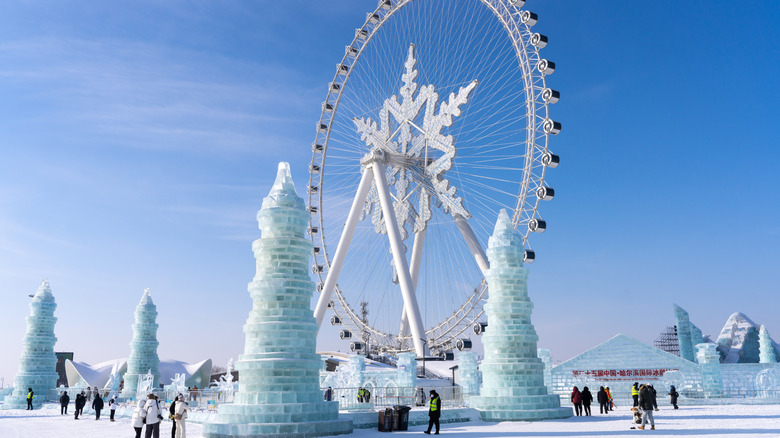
[(401, 417), (386, 420)]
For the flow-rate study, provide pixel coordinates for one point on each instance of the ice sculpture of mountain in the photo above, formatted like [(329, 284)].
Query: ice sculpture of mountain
[(739, 340)]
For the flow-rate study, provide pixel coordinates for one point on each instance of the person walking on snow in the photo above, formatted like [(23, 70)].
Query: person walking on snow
[(171, 414), (576, 399), (64, 400), (153, 416), (79, 406), (97, 405), (434, 412), (646, 403), (673, 394), (587, 399), (113, 404), (138, 418), (603, 400), (180, 416), (30, 395), (635, 393), (611, 403)]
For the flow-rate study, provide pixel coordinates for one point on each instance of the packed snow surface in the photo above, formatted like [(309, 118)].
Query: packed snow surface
[(706, 421)]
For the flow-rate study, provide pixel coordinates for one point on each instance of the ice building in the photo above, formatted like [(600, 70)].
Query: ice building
[(621, 361), (512, 373), (143, 348), (82, 374), (37, 364), (278, 392)]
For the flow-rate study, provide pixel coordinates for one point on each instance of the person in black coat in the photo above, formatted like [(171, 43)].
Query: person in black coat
[(97, 405), (587, 399), (64, 400), (603, 400), (434, 412), (81, 400), (172, 412), (674, 394)]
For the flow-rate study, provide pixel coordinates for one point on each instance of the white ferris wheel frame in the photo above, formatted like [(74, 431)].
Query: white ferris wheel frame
[(534, 69)]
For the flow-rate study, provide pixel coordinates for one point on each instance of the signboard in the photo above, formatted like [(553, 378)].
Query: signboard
[(644, 374), (211, 404)]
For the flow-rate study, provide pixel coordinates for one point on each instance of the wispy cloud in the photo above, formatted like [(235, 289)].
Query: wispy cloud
[(145, 96)]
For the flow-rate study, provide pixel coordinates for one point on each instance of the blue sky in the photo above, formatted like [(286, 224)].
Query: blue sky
[(137, 140)]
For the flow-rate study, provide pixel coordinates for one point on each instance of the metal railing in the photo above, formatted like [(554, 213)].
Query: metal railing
[(386, 397)]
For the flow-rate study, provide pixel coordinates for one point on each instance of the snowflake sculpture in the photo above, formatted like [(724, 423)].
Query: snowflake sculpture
[(416, 154)]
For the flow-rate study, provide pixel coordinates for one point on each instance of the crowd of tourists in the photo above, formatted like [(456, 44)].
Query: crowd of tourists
[(147, 413), (644, 398)]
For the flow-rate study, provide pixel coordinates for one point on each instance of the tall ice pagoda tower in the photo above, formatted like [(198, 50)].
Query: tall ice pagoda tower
[(38, 363), (143, 348), (512, 373), (279, 385)]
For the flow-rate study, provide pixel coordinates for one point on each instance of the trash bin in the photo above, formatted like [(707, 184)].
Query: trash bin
[(401, 417), (386, 420)]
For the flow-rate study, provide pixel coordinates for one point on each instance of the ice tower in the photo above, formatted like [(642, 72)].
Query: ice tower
[(766, 349), (279, 393), (143, 348), (512, 373), (37, 365)]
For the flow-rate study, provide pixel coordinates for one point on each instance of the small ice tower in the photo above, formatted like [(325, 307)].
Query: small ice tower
[(278, 388), (512, 373), (143, 348), (38, 363)]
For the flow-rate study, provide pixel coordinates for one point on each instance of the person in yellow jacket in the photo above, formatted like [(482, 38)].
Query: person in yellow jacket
[(30, 395), (635, 393), (434, 412)]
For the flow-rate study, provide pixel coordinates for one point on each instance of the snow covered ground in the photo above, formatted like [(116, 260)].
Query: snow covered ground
[(705, 421)]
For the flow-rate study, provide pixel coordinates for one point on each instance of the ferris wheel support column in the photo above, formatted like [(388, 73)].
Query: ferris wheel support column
[(399, 257), (346, 239), (417, 249), (472, 243)]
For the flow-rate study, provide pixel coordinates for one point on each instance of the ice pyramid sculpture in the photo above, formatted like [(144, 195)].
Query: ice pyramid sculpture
[(37, 364), (278, 390), (512, 373), (143, 348)]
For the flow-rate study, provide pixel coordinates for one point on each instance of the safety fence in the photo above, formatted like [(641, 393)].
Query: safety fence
[(385, 397)]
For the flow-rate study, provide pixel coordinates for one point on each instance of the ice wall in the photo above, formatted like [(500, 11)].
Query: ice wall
[(512, 373), (143, 348), (279, 393), (37, 364)]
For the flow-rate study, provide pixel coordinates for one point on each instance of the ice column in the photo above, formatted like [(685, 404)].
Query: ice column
[(468, 373), (512, 373), (143, 348), (407, 370), (278, 389), (765, 347), (37, 365), (684, 333), (711, 377), (544, 355)]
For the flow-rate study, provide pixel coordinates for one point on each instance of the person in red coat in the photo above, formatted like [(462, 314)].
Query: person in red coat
[(576, 399)]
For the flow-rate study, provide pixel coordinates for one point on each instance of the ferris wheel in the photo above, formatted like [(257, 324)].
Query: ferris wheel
[(436, 119)]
